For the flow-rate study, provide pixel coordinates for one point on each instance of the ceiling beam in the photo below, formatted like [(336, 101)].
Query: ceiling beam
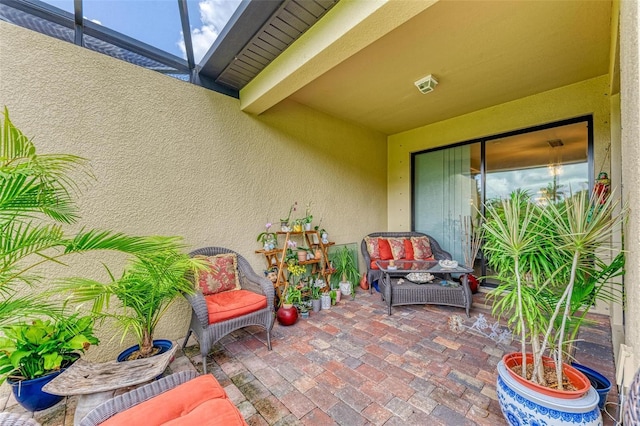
[(346, 29)]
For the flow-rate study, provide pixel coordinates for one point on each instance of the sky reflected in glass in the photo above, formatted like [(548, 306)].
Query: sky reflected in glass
[(66, 5), (157, 22)]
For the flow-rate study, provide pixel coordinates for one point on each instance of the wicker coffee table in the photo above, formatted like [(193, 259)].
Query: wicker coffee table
[(397, 290)]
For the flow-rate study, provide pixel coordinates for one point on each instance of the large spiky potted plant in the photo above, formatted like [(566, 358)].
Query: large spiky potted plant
[(540, 253), (37, 199)]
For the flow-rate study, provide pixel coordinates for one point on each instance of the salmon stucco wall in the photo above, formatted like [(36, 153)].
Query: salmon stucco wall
[(171, 158)]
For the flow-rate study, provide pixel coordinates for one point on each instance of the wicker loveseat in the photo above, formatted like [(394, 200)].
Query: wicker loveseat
[(373, 273)]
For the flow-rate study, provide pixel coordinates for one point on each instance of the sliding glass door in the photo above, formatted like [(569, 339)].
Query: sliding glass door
[(450, 185), (446, 194)]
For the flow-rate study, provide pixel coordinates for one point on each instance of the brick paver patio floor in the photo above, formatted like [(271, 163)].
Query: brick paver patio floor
[(355, 365)]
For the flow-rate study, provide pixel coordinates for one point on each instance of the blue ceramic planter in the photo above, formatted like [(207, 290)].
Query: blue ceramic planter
[(601, 384), (163, 344), (30, 395), (523, 406)]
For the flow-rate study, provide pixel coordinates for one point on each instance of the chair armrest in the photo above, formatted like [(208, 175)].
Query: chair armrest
[(199, 307), (127, 400), (250, 280)]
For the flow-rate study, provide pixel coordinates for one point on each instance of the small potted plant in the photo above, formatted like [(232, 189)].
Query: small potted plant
[(285, 224), (316, 291), (344, 262), (267, 238), (308, 217), (287, 313), (34, 353)]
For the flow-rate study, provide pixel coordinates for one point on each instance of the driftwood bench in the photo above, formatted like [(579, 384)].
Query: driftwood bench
[(98, 382)]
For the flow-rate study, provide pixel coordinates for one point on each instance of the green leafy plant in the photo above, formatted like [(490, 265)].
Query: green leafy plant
[(344, 261), (315, 292), (31, 350), (37, 197), (547, 259), (291, 296), (308, 217), (292, 209), (267, 236), (146, 289)]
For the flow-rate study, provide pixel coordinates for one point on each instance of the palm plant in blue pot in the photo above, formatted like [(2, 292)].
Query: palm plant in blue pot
[(37, 198)]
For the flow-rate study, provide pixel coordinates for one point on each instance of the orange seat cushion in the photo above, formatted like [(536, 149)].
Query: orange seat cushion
[(232, 304), (214, 412), (188, 403)]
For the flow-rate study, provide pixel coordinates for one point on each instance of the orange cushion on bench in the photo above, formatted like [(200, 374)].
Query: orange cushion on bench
[(232, 304), (174, 403), (214, 412)]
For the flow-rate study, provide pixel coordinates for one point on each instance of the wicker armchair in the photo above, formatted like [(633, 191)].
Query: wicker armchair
[(375, 274), (208, 334), (17, 419)]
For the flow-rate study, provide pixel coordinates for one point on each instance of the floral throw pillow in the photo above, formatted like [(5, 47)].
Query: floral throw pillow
[(223, 275), (421, 248), (397, 248), (372, 247)]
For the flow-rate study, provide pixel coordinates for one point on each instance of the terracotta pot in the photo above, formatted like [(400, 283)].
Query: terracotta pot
[(364, 284), (577, 379), (287, 315), (318, 254), (473, 282), (302, 255)]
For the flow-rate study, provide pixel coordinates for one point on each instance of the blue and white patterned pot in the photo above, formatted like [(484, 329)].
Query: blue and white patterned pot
[(522, 406)]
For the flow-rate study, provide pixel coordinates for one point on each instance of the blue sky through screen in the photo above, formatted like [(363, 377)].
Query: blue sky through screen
[(157, 22)]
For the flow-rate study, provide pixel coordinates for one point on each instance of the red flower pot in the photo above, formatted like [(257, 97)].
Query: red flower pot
[(577, 379), (287, 315), (473, 283)]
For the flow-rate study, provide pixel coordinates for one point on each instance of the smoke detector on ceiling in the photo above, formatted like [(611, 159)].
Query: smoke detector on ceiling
[(426, 84)]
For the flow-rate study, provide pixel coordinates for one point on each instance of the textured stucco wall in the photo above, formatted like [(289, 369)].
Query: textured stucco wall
[(172, 158), (630, 119)]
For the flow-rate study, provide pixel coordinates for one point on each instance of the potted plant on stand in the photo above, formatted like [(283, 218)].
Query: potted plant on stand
[(345, 263), (308, 218), (316, 291), (146, 289), (537, 252), (287, 313)]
